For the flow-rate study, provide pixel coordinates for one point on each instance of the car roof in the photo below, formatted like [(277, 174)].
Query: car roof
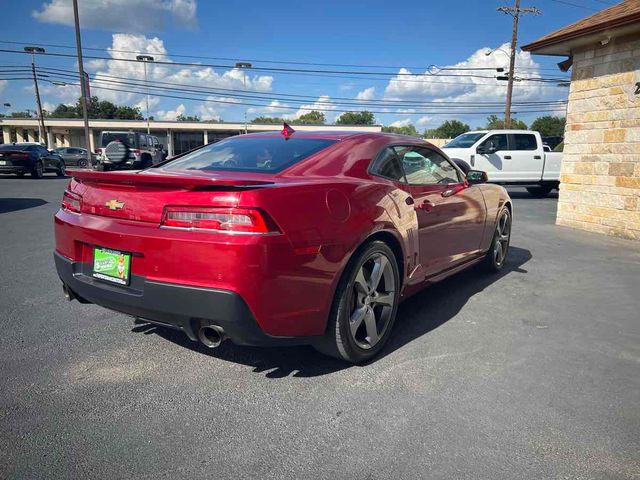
[(501, 130), (336, 135)]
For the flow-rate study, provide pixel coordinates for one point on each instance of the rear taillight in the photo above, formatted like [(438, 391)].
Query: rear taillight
[(228, 220), (135, 151), (71, 201), (20, 155)]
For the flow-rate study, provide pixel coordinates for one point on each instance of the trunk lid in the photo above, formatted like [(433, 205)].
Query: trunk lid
[(142, 196)]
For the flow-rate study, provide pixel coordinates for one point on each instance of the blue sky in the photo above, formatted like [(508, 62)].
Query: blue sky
[(407, 34)]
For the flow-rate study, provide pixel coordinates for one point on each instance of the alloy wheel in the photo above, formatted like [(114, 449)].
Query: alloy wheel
[(503, 233), (372, 301)]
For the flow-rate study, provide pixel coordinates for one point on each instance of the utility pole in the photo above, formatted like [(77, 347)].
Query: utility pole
[(41, 131), (144, 59), (515, 11), (83, 80), (243, 66)]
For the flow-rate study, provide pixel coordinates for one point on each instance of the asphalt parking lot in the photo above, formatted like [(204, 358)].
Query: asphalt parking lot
[(534, 373)]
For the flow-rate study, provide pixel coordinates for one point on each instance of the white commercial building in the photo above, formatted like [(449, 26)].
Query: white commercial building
[(178, 137)]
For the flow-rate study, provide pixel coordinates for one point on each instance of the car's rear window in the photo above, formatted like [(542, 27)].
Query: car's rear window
[(124, 137), (267, 155)]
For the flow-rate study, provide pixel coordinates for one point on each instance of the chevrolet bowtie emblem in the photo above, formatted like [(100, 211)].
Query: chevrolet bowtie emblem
[(114, 204)]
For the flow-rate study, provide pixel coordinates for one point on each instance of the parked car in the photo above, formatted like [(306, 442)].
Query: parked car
[(128, 150), (74, 156), (310, 239), (33, 158), (510, 157)]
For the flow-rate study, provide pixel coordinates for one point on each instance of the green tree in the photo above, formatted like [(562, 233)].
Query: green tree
[(187, 118), (314, 117), (549, 126), (268, 120), (495, 123), (96, 108), (356, 118), (404, 130), (448, 129), (24, 114)]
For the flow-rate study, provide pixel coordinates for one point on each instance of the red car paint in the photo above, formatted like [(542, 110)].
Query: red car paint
[(322, 208)]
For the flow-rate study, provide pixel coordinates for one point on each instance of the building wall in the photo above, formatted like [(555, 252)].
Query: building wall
[(600, 181)]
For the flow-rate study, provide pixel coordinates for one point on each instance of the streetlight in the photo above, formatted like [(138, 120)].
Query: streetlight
[(243, 66), (145, 59), (41, 131)]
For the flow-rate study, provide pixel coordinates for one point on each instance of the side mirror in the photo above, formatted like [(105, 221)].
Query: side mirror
[(477, 176)]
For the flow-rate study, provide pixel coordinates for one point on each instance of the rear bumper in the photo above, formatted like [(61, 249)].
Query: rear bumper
[(8, 169), (180, 306)]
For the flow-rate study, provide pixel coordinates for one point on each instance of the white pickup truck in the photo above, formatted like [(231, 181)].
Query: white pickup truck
[(510, 157)]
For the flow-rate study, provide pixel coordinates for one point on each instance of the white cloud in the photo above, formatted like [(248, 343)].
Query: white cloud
[(275, 108), (426, 120), (208, 111), (366, 94), (121, 15), (322, 104), (171, 114), (3, 85), (108, 73), (465, 88), (401, 123)]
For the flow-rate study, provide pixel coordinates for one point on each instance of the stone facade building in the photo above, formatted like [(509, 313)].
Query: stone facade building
[(600, 181)]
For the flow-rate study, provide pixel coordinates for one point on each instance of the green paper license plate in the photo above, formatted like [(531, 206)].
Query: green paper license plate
[(111, 265)]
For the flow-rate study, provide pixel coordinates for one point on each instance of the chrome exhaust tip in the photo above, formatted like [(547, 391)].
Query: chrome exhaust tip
[(68, 293), (211, 336)]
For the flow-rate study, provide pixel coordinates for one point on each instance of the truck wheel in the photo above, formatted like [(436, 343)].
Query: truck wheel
[(539, 192)]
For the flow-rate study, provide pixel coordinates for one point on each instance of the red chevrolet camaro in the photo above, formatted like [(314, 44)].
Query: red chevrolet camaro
[(279, 238)]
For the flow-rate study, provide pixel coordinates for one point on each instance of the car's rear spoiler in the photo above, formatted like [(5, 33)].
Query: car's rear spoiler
[(177, 179)]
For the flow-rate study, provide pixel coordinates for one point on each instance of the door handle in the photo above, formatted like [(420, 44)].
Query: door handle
[(426, 206), (537, 157), (507, 157)]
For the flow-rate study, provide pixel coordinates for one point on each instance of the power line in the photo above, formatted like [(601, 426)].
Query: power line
[(575, 5), (272, 95), (282, 62), (294, 71)]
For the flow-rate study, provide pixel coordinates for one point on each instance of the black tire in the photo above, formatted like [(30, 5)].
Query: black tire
[(492, 261), (62, 170), (82, 163), (539, 192), (338, 340), (38, 170), (464, 166), (146, 162)]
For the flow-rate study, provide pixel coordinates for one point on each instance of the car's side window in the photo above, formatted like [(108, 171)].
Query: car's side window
[(387, 165), (499, 140), (143, 140), (423, 166), (523, 141)]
